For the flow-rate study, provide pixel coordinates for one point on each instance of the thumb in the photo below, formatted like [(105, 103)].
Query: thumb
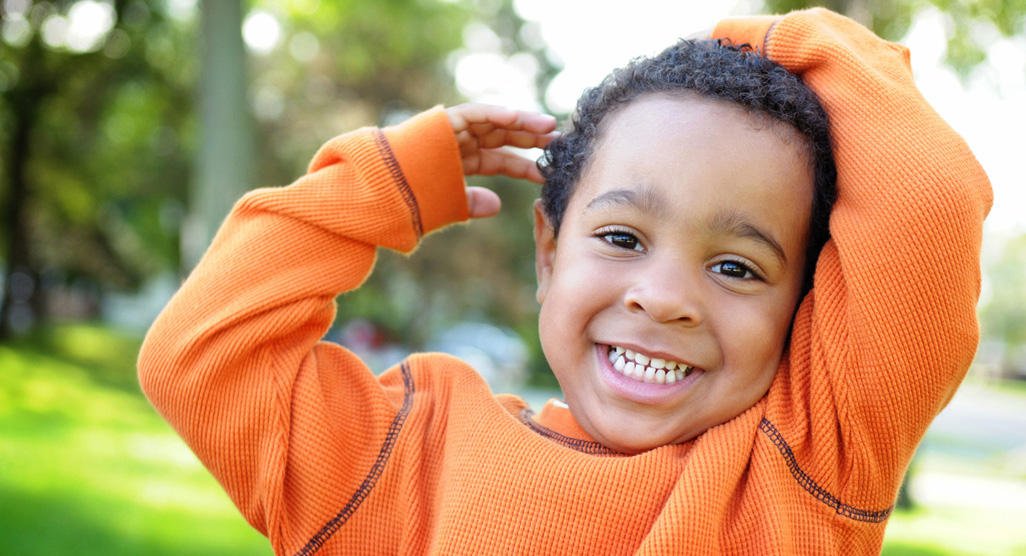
[(482, 203)]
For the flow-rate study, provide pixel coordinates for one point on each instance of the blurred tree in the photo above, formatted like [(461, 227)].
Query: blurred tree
[(484, 270), (1004, 311), (966, 21), (91, 106), (98, 134), (224, 159), (341, 65)]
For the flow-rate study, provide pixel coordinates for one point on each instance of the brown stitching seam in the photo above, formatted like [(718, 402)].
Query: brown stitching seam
[(400, 179), (334, 524), (806, 482), (584, 446)]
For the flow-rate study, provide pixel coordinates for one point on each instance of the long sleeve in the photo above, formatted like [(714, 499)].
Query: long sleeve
[(889, 330), (235, 361)]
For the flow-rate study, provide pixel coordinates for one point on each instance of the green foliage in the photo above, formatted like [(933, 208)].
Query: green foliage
[(342, 65), (481, 270), (954, 531), (112, 146), (96, 155), (112, 129)]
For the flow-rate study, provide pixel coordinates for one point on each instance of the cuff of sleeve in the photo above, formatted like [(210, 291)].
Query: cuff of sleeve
[(429, 157), (752, 30)]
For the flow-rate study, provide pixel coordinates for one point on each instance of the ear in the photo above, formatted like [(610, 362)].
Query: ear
[(544, 250)]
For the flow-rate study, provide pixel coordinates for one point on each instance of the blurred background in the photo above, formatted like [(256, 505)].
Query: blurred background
[(128, 127)]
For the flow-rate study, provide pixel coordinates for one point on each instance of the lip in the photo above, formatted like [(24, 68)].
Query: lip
[(636, 391)]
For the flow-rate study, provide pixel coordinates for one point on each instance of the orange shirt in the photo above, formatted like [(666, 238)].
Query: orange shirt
[(322, 456)]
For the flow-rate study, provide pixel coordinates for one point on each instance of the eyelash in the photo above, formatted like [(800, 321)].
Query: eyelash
[(623, 234), (608, 235), (748, 273)]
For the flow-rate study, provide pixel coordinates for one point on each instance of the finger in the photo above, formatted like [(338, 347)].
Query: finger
[(476, 115), (482, 203), (486, 136), (521, 139), (532, 122), (463, 115), (536, 122), (508, 164), (470, 146)]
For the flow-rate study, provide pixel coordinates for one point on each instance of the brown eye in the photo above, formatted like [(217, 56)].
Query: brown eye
[(734, 269), (623, 240)]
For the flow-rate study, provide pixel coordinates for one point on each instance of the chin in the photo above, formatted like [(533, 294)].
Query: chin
[(628, 442)]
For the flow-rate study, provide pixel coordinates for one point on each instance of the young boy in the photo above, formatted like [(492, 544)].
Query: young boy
[(704, 413)]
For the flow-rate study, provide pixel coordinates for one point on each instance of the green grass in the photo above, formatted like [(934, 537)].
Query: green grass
[(87, 467), (958, 531), (1008, 387)]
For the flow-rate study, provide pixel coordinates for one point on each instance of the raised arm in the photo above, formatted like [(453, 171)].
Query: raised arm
[(235, 361), (889, 329)]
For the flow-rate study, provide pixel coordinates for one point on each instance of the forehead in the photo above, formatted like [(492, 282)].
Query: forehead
[(696, 136), (664, 116), (687, 157)]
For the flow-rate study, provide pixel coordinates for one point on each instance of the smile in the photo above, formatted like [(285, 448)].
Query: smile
[(643, 368)]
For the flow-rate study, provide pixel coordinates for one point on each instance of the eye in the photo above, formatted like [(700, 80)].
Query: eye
[(622, 239), (735, 269)]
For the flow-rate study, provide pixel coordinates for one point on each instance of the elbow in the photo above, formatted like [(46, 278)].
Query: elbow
[(162, 364), (152, 368)]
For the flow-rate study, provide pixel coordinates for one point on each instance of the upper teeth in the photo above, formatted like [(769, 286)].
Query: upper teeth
[(647, 369)]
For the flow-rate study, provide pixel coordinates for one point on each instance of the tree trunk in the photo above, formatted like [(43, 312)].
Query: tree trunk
[(225, 158), (22, 298)]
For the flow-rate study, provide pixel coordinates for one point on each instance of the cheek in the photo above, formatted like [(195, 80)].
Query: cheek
[(556, 335), (572, 302), (756, 337), (575, 279)]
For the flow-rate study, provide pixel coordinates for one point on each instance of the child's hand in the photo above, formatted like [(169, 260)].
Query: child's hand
[(481, 131)]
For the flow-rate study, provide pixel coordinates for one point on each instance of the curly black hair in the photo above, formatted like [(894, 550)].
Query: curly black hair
[(709, 68)]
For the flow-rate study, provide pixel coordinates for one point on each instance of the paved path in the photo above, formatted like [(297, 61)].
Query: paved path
[(980, 426), (985, 419)]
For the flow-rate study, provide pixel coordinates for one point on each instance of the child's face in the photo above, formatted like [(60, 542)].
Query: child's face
[(683, 241)]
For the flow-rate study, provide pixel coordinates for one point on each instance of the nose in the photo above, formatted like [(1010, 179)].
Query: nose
[(666, 294)]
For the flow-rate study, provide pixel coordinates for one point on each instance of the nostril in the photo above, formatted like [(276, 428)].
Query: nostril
[(664, 304)]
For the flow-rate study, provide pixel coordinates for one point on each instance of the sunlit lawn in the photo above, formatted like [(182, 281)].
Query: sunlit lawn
[(952, 530), (86, 467)]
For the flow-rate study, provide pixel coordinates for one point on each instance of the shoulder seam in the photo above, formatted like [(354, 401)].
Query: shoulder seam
[(813, 488), (583, 446), (370, 480), (388, 155)]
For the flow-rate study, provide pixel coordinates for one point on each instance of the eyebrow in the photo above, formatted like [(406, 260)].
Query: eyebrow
[(735, 223), (730, 222), (644, 199)]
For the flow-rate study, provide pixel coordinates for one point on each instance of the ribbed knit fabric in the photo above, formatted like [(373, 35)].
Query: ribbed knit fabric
[(324, 457)]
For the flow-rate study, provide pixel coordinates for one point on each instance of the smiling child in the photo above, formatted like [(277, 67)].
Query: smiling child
[(747, 364)]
